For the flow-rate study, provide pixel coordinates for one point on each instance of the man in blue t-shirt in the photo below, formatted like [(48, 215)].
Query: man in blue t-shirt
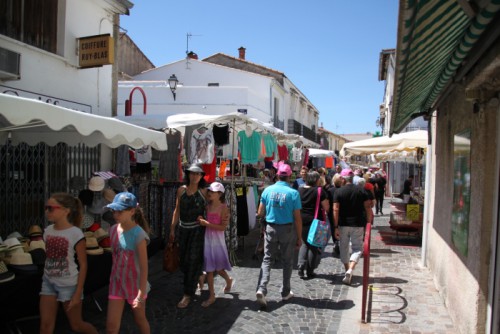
[(281, 205)]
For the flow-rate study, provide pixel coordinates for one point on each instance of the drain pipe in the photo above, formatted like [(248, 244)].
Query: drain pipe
[(428, 186)]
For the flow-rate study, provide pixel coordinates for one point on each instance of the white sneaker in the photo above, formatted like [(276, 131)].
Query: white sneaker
[(261, 299), (347, 278), (288, 297)]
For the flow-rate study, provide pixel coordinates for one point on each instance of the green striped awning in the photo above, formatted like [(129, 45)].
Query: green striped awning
[(434, 37)]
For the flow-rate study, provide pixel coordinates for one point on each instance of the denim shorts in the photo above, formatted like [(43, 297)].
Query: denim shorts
[(63, 293)]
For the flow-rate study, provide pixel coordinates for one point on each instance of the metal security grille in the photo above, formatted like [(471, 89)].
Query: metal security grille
[(29, 174)]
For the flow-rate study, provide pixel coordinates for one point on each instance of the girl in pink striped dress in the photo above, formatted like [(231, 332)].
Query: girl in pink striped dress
[(129, 274), (215, 251)]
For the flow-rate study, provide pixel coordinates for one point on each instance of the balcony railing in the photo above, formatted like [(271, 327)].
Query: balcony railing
[(297, 128)]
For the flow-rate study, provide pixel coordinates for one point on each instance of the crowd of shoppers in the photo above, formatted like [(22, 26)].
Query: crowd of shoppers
[(200, 218)]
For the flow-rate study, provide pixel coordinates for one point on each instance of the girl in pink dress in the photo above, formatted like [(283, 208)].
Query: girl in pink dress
[(215, 253)]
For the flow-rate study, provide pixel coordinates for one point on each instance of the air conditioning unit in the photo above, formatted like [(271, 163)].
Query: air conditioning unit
[(10, 65)]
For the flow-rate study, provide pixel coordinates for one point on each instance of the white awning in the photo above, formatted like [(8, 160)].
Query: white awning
[(31, 121), (319, 153)]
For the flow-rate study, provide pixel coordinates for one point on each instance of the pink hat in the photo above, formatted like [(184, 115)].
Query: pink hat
[(284, 170), (216, 187), (346, 172)]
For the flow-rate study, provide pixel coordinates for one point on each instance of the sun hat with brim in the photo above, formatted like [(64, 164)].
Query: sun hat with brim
[(93, 247), (34, 244), (22, 262), (105, 243), (116, 185), (100, 234), (123, 201), (15, 234), (108, 194), (35, 230), (96, 183), (5, 274), (12, 243), (88, 234), (88, 220), (3, 248), (216, 187), (195, 168), (94, 227)]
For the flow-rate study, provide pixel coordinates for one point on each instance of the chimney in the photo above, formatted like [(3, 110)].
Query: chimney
[(242, 52), (192, 55)]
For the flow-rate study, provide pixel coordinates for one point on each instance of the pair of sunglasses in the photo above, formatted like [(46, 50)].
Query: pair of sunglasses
[(51, 208)]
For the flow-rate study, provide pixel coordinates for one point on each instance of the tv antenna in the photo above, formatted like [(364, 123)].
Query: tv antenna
[(188, 36)]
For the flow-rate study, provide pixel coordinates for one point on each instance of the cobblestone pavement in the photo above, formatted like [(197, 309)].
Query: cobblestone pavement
[(402, 298)]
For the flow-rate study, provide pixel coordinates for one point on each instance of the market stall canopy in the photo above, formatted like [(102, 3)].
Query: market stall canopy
[(319, 153), (434, 39), (32, 121), (239, 121), (398, 143)]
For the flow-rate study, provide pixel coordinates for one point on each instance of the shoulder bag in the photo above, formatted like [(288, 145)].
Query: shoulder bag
[(319, 232), (171, 257)]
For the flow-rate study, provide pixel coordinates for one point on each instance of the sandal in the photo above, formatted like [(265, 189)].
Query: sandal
[(208, 302), (228, 288), (184, 302)]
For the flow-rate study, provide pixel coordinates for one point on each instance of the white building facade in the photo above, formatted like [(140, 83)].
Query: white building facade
[(206, 87)]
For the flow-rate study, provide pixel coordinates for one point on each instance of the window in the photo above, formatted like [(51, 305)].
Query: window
[(30, 21)]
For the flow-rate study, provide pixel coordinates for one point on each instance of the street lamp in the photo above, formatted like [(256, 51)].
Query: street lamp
[(172, 83)]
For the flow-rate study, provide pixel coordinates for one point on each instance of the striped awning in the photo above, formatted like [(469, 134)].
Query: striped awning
[(434, 38)]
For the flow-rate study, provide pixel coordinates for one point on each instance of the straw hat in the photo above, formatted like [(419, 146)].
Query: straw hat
[(5, 274), (100, 234), (108, 194), (34, 244), (88, 234), (88, 220), (15, 234), (12, 244), (22, 262), (93, 247), (105, 243), (34, 231), (96, 183)]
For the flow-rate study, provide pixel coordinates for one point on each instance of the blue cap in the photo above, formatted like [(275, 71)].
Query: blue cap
[(123, 201)]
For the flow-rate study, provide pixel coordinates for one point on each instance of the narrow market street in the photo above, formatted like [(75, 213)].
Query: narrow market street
[(402, 298)]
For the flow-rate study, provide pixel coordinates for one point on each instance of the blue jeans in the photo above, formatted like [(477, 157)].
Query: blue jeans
[(284, 237)]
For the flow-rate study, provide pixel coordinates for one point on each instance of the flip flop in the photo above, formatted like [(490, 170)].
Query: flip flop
[(184, 302), (208, 302), (228, 289)]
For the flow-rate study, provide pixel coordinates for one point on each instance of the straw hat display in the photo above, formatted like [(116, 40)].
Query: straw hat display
[(93, 247), (5, 274), (21, 261), (103, 239)]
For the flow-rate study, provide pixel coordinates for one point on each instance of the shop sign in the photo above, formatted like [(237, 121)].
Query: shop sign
[(96, 51), (243, 111)]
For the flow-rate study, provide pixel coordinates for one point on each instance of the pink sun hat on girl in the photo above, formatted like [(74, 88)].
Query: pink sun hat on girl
[(216, 187)]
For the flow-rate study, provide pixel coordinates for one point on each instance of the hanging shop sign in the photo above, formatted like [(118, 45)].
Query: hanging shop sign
[(96, 51)]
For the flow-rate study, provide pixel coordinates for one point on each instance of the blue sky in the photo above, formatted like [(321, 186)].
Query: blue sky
[(328, 48)]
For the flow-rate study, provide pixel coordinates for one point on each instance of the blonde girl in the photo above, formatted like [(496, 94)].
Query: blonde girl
[(62, 280), (129, 273)]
